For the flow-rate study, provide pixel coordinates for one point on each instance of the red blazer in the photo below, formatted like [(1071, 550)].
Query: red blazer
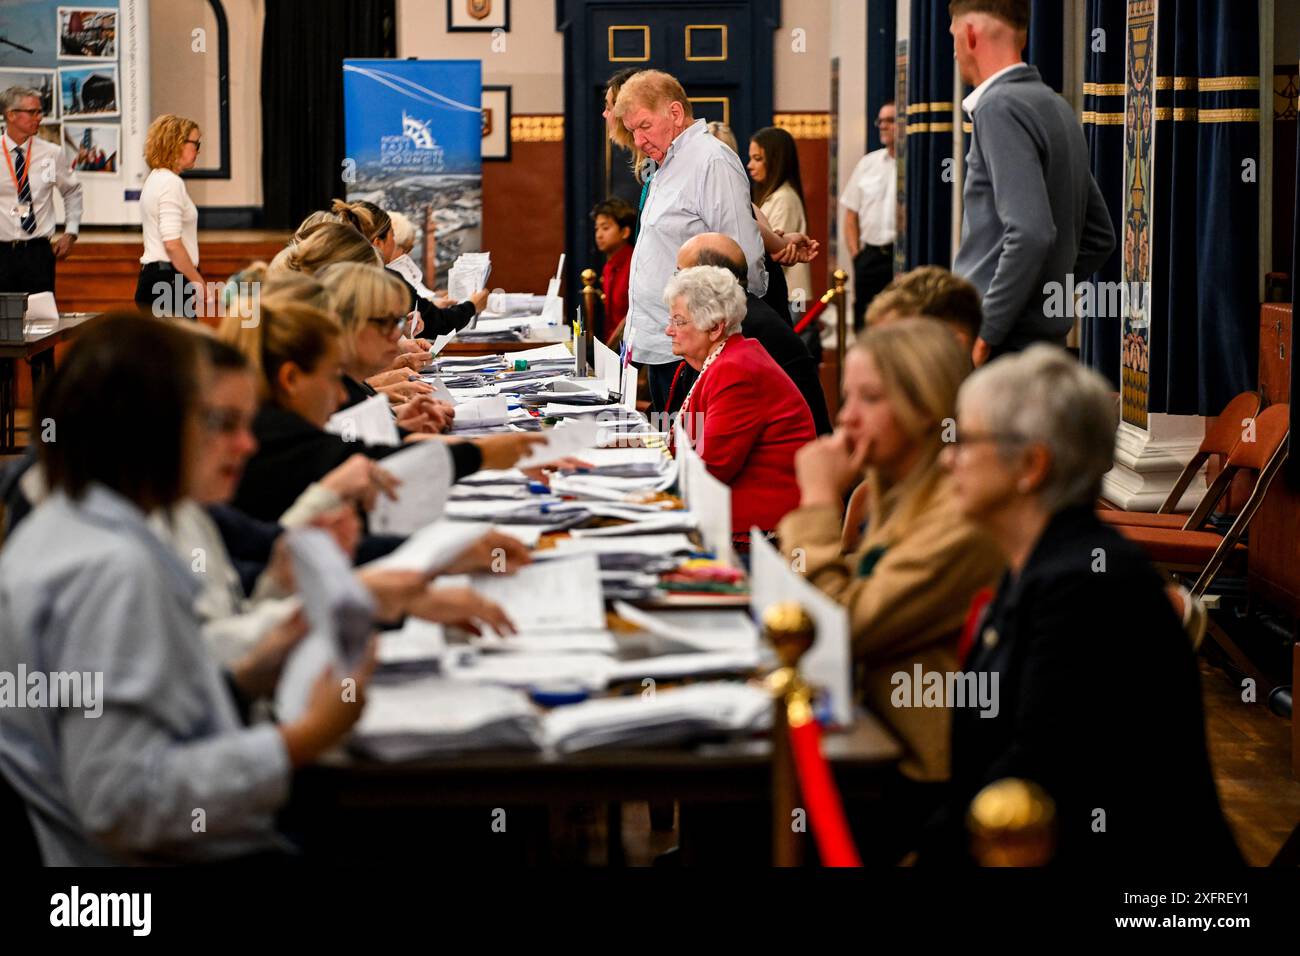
[(613, 281), (750, 420)]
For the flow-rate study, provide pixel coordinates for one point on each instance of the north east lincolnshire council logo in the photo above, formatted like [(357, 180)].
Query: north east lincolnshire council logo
[(417, 131)]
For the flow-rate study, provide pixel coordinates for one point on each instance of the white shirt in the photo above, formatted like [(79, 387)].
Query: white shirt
[(167, 212), (973, 100), (699, 187), (50, 169), (784, 211), (872, 193)]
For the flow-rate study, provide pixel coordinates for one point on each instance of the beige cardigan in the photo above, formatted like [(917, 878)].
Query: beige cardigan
[(910, 607), (785, 212)]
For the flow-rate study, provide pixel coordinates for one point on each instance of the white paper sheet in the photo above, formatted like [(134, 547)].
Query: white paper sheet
[(666, 544), (705, 630), (426, 472), (607, 366), (370, 421), (571, 439), (829, 663), (554, 595), (431, 548), (705, 497), (417, 641), (557, 351), (482, 412)]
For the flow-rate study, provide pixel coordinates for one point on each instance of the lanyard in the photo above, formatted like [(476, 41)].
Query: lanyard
[(27, 169)]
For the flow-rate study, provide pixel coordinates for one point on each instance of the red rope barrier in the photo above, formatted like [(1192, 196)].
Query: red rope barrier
[(810, 317), (821, 797)]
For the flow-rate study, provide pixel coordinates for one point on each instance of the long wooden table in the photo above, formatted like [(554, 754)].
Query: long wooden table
[(38, 350)]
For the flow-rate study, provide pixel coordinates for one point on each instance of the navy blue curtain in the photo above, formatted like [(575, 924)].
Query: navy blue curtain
[(929, 136), (1205, 239), (881, 32), (1103, 125), (1046, 47)]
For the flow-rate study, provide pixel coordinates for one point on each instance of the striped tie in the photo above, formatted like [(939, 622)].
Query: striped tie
[(25, 193)]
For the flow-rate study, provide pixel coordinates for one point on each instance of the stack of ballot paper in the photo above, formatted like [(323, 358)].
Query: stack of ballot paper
[(667, 717), (514, 303), (370, 422), (430, 716), (468, 274)]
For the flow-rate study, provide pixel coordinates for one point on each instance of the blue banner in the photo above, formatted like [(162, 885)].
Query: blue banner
[(414, 133)]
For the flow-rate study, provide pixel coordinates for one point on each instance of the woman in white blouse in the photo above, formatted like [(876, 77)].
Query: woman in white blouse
[(170, 282), (778, 193)]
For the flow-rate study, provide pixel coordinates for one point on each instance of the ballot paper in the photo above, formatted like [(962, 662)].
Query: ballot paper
[(432, 548), (514, 303), (370, 421), (706, 497), (440, 343), (468, 274), (429, 716), (482, 412), (649, 544), (41, 311), (589, 671), (673, 666), (440, 391), (570, 440), (642, 523), (417, 642), (340, 612), (670, 716), (541, 353), (704, 630), (555, 595), (628, 391), (426, 472), (596, 641), (829, 663)]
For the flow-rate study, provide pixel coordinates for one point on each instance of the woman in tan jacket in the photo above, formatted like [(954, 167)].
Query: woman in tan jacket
[(907, 578)]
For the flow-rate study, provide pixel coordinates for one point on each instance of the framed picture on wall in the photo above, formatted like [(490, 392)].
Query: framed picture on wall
[(88, 91), (87, 33), (44, 82), (93, 147), (478, 16), (496, 123)]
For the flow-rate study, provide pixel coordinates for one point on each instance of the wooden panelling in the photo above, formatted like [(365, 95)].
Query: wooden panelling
[(523, 216), (1275, 532)]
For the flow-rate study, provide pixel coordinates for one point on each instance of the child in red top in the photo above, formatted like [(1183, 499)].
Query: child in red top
[(615, 220)]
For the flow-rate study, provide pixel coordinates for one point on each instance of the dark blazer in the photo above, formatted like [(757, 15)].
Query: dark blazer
[(292, 453), (787, 350), (1099, 702), (777, 295), (437, 321)]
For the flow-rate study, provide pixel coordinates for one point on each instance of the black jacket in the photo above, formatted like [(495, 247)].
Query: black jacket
[(358, 392), (437, 321), (787, 350), (1099, 702), (292, 453)]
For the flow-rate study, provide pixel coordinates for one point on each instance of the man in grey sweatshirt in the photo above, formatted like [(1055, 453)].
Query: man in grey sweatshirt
[(1032, 213)]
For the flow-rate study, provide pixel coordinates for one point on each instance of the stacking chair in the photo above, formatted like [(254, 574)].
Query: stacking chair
[(1193, 551), (1220, 439)]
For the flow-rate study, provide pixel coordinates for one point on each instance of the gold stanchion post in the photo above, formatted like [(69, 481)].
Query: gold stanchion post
[(1012, 822), (791, 632), (841, 325)]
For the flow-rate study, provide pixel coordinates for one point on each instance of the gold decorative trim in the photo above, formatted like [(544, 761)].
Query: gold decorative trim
[(1104, 89), (1096, 118), (967, 127), (1178, 114), (915, 128), (804, 125), (1229, 116), (537, 129), (1175, 82), (937, 107), (645, 31), (691, 58), (724, 100), (1220, 84)]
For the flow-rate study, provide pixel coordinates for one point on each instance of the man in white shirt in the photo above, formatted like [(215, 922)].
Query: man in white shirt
[(34, 168), (870, 223), (699, 186)]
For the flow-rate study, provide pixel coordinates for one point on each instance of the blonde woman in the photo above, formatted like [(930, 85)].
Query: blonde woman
[(170, 282), (909, 582), (369, 304), (321, 244)]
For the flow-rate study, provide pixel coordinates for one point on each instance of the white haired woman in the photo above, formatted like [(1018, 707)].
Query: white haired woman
[(1095, 687), (743, 415)]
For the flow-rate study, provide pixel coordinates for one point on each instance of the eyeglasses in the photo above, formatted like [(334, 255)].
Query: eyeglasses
[(196, 143), (225, 421), (33, 112), (679, 323), (389, 324)]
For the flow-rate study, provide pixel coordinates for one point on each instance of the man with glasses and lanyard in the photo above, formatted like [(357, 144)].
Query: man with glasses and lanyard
[(33, 169), (869, 219)]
